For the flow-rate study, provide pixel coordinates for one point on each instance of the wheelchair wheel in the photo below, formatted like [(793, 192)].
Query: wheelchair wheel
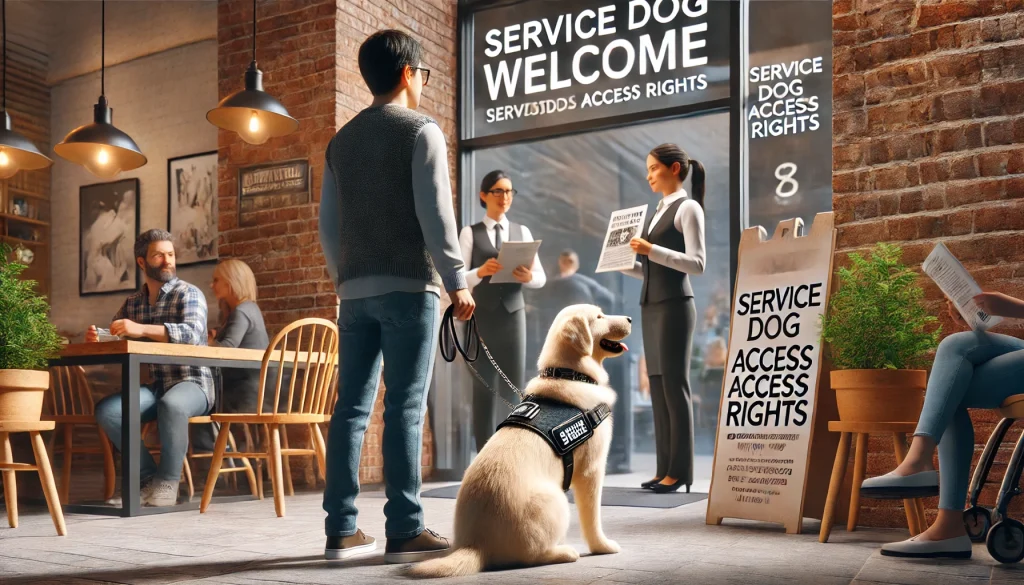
[(978, 521), (1006, 541)]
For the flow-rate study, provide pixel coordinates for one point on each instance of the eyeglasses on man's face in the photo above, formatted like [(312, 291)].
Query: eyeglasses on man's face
[(503, 192), (425, 71)]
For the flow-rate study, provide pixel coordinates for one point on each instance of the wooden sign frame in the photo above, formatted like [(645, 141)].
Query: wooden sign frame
[(786, 251)]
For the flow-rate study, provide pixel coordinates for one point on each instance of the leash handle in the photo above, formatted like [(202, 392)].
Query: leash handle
[(448, 341), (449, 345)]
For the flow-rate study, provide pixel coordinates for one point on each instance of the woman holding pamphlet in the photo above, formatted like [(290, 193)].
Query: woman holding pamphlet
[(500, 309), (670, 250), (973, 369)]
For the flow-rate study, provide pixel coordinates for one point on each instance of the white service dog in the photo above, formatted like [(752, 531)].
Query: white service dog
[(511, 510)]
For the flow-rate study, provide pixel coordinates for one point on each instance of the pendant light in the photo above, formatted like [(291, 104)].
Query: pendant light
[(100, 147), (16, 152), (253, 113)]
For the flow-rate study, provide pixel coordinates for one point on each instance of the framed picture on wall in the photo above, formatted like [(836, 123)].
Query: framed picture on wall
[(108, 226), (192, 207)]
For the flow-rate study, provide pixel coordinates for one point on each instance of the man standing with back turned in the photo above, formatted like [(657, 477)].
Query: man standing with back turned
[(387, 227)]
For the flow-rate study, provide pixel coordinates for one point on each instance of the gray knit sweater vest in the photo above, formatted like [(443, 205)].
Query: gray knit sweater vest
[(371, 160)]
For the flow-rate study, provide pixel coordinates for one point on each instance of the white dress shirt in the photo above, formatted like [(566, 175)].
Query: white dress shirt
[(689, 221), (473, 277)]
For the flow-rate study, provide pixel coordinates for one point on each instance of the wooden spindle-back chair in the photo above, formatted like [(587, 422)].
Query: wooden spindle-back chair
[(309, 349), (70, 405)]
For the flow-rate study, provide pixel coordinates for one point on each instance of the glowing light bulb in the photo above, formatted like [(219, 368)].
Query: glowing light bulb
[(102, 165), (257, 131), (7, 169)]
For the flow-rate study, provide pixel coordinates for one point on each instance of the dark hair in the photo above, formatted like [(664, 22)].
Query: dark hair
[(490, 180), (669, 154), (384, 56), (148, 237)]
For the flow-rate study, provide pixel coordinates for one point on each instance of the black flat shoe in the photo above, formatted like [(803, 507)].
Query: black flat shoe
[(663, 488), (650, 484)]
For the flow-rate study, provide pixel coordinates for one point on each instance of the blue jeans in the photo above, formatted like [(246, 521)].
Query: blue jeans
[(171, 411), (971, 370), (402, 328)]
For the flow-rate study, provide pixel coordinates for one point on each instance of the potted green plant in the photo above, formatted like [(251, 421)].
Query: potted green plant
[(879, 335), (27, 342)]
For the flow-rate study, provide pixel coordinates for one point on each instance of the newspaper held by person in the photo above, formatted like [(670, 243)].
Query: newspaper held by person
[(958, 285), (624, 225)]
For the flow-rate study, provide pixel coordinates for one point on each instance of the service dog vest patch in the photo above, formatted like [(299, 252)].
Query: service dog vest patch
[(563, 426)]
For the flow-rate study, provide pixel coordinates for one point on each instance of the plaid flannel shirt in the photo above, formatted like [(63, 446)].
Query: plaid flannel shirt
[(181, 308)]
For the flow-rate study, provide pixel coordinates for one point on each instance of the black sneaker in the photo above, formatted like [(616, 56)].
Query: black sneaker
[(343, 547), (426, 545)]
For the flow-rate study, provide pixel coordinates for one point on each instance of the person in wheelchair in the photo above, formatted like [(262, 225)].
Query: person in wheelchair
[(972, 369)]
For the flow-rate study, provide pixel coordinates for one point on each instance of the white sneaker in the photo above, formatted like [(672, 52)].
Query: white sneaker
[(914, 548), (116, 500), (160, 494)]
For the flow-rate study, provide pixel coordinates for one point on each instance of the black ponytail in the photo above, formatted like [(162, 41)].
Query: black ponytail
[(669, 154), (697, 182)]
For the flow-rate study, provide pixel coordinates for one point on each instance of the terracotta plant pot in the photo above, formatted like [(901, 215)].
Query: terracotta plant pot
[(879, 395), (21, 394)]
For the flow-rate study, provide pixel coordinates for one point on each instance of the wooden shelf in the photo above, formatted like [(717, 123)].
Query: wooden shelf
[(28, 194), (21, 241), (19, 218)]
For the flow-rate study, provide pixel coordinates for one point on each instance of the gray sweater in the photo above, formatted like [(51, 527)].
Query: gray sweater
[(244, 329), (386, 188)]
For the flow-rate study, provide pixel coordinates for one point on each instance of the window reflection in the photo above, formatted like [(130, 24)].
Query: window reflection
[(567, 188)]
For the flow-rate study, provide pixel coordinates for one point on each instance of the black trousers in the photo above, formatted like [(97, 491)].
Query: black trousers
[(668, 342), (505, 335)]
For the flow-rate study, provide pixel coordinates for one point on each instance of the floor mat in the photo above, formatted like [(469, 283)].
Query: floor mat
[(612, 496)]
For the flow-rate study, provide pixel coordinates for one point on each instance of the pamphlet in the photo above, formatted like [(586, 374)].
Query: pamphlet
[(957, 284)]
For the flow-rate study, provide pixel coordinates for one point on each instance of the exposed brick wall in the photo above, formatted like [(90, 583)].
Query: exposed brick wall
[(307, 51), (295, 49), (928, 101)]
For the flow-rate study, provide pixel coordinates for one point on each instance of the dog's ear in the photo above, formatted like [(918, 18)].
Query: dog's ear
[(576, 332)]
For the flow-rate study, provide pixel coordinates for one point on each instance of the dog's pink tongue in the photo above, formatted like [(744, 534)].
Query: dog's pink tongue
[(625, 347)]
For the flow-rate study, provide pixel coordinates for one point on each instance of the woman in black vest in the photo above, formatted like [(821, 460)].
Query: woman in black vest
[(670, 248), (500, 309)]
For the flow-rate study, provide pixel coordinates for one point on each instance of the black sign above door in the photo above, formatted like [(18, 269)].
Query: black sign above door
[(542, 63)]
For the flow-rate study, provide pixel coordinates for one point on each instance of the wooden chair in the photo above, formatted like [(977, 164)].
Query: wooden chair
[(913, 507), (42, 466), (246, 467), (307, 396), (70, 406)]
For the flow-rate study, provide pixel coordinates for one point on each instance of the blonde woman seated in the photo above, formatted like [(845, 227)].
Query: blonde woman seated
[(241, 325)]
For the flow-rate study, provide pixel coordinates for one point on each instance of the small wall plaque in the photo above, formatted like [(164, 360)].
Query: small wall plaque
[(273, 185)]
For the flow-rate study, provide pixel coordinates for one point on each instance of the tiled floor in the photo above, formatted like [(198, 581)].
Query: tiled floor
[(245, 543)]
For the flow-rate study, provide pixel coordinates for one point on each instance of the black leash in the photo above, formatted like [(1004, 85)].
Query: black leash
[(449, 345)]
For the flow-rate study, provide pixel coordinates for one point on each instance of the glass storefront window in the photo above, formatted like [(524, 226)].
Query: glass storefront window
[(567, 189)]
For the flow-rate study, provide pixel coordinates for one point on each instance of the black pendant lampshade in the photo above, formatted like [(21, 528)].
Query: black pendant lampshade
[(17, 153), (253, 113), (100, 147)]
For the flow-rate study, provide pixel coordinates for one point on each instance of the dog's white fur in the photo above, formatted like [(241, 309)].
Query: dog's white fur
[(511, 510)]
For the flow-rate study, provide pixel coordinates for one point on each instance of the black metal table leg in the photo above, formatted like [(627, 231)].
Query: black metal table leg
[(131, 437)]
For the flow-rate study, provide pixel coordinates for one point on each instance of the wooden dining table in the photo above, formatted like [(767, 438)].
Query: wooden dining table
[(131, 355)]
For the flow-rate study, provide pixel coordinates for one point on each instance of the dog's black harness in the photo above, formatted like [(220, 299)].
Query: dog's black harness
[(563, 426)]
